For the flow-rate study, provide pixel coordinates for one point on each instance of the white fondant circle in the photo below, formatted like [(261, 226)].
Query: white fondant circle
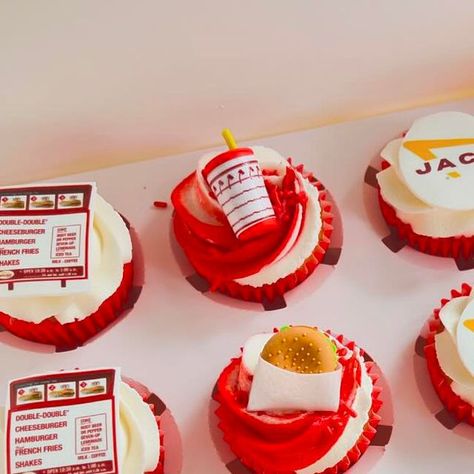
[(447, 179)]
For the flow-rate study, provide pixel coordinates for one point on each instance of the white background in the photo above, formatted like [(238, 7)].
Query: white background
[(177, 341), (88, 83)]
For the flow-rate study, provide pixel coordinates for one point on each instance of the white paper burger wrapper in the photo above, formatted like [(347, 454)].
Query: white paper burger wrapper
[(278, 389)]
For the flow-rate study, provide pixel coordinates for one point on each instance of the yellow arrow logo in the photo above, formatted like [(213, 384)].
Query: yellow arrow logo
[(469, 323), (423, 148)]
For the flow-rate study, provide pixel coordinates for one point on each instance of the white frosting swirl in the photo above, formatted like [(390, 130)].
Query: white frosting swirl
[(139, 437), (423, 218), (305, 239), (111, 248), (447, 351)]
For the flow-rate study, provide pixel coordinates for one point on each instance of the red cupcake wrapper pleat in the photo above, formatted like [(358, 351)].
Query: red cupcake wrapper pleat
[(145, 393), (455, 247), (160, 468), (228, 427), (370, 429), (281, 286), (74, 334), (460, 409)]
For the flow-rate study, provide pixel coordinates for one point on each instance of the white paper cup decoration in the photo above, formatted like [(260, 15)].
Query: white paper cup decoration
[(465, 337), (437, 160), (236, 181)]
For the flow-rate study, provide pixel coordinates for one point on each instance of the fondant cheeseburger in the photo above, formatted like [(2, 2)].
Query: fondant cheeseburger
[(251, 223), (449, 351), (298, 401)]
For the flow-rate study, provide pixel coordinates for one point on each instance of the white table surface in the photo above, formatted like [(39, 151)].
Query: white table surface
[(177, 340)]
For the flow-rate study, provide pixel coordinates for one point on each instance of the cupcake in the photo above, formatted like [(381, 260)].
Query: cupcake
[(140, 440), (298, 400), (449, 351), (427, 185), (251, 223), (68, 321)]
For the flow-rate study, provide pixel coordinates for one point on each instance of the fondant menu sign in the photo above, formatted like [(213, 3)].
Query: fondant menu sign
[(63, 423), (44, 238)]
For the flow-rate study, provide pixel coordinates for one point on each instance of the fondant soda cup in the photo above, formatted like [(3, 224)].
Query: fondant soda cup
[(237, 183)]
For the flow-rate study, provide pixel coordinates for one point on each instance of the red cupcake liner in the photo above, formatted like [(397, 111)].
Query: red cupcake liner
[(460, 409), (455, 247), (230, 432), (146, 395), (71, 335)]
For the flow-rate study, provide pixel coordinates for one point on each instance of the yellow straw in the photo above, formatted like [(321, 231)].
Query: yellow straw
[(229, 139)]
